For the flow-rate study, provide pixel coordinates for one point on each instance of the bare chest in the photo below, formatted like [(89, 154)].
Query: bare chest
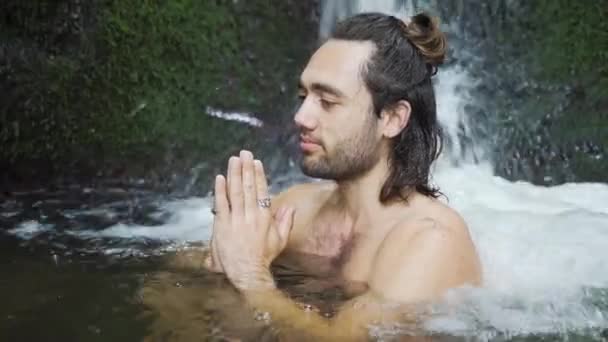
[(329, 248)]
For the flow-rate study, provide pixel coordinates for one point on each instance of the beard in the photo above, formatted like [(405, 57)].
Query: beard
[(351, 157)]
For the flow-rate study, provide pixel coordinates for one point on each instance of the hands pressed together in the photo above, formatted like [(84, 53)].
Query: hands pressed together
[(246, 236)]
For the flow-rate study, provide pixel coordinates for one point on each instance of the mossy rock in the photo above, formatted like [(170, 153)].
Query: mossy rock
[(123, 88)]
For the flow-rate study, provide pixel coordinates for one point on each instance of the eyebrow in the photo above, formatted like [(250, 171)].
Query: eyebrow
[(322, 88)]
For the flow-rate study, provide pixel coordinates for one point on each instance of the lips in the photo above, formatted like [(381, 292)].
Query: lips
[(308, 140), (308, 144)]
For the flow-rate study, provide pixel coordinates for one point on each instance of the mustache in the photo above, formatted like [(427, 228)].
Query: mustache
[(309, 139)]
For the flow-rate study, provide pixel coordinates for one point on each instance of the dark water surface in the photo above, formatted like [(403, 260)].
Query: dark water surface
[(88, 298), (55, 286), (61, 279), (75, 299)]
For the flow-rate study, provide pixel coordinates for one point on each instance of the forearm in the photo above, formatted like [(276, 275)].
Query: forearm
[(291, 318), (261, 293), (351, 322)]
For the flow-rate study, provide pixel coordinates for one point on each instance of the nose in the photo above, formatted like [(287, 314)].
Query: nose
[(306, 117)]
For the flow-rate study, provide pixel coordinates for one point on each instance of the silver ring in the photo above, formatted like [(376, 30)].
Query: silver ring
[(264, 202)]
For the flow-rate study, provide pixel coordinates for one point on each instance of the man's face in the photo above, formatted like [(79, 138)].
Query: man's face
[(339, 136)]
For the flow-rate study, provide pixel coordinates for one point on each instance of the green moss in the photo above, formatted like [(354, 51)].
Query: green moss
[(559, 50), (574, 51), (160, 70), (129, 91), (571, 38)]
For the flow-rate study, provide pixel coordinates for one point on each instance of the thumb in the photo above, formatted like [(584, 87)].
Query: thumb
[(208, 263), (285, 224)]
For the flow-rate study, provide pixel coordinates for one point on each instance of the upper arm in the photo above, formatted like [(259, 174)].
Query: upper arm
[(417, 268), (409, 271)]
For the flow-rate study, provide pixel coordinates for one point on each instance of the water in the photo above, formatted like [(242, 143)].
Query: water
[(85, 263)]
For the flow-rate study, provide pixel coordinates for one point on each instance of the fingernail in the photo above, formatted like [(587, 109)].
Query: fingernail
[(246, 154)]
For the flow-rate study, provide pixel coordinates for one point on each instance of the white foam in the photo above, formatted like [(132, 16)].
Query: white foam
[(29, 229), (543, 251), (189, 221)]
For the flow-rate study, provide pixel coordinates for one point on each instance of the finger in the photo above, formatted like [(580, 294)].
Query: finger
[(228, 181), (235, 190), (285, 224), (211, 266), (222, 208), (260, 182), (215, 258), (208, 263), (249, 188), (211, 253), (278, 216), (222, 212), (211, 260)]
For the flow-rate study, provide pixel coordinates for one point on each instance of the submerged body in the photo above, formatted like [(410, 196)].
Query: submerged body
[(328, 245)]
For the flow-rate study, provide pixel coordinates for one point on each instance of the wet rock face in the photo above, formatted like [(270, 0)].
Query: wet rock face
[(119, 88), (540, 103), (38, 37)]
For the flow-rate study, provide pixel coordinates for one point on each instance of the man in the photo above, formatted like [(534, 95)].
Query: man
[(368, 124)]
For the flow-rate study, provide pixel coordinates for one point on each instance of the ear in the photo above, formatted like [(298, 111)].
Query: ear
[(396, 118)]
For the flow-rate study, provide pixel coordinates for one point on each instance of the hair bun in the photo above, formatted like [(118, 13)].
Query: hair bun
[(424, 33)]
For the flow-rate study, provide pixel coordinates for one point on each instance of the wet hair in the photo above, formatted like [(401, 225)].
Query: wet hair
[(401, 67)]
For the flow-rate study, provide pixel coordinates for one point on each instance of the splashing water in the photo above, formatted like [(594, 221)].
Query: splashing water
[(543, 248)]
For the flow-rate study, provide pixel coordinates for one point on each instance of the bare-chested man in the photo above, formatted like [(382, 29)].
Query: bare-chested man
[(368, 125)]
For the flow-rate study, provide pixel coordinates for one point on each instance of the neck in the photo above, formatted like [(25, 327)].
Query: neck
[(360, 197)]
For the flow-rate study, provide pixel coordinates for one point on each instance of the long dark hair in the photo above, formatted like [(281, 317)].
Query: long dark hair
[(406, 57)]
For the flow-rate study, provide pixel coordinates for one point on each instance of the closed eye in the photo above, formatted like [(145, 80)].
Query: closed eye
[(326, 104), (301, 97)]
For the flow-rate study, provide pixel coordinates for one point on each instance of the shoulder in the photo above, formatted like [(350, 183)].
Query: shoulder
[(433, 220), (436, 251), (414, 236), (438, 228)]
